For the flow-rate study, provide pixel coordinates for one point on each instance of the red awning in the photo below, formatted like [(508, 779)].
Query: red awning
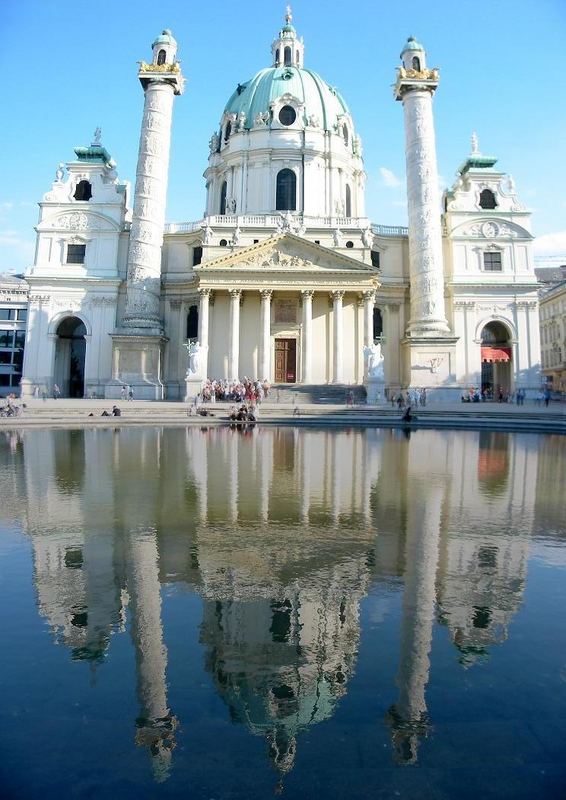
[(496, 354)]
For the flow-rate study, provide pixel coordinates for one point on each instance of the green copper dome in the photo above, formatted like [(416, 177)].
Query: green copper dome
[(319, 98), (165, 37), (411, 44)]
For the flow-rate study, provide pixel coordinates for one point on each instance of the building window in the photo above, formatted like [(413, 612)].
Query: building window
[(345, 134), (288, 59), (286, 195), (492, 262), (7, 313), (348, 201), (161, 57), (83, 191), (487, 199), (223, 243), (277, 57), (197, 255), (22, 314), (349, 244), (192, 323), (287, 115), (375, 258), (223, 190), (227, 131), (416, 63), (76, 253), (377, 323)]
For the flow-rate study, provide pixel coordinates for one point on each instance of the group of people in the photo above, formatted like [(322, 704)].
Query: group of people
[(243, 414), (413, 398), (116, 412), (126, 393), (246, 390), (12, 409)]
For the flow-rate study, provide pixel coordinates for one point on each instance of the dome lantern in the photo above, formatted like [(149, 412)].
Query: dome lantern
[(413, 55), (287, 49)]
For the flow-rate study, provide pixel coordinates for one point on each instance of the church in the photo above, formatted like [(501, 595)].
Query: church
[(284, 279)]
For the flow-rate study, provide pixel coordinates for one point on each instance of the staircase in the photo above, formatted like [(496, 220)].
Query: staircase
[(300, 393)]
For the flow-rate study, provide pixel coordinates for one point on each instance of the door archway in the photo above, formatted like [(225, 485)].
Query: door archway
[(70, 352), (496, 360)]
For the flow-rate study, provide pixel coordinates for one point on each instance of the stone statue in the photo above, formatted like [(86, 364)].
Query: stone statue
[(196, 354), (230, 206), (357, 146), (367, 237), (337, 236), (510, 184), (97, 137), (237, 236), (241, 121), (214, 143), (59, 173), (261, 119), (375, 362), (314, 121), (207, 234)]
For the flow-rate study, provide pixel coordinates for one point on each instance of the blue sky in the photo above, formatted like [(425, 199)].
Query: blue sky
[(70, 66)]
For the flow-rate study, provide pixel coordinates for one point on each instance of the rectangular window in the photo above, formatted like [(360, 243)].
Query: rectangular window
[(7, 313), (492, 262), (375, 258), (76, 253), (197, 256), (18, 359), (22, 314), (20, 339), (4, 379), (5, 356), (6, 338)]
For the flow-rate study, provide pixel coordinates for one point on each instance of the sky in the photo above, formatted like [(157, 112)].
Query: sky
[(70, 66)]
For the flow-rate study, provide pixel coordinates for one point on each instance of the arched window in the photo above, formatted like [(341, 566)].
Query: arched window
[(345, 134), (377, 323), (161, 56), (286, 195), (277, 57), (298, 57), (487, 199), (348, 201), (494, 333), (288, 57), (227, 131), (192, 323), (83, 191), (416, 63), (223, 190)]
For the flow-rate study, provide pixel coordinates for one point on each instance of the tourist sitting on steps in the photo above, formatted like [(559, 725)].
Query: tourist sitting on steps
[(407, 416)]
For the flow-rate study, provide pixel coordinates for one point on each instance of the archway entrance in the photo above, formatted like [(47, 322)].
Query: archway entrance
[(70, 350), (496, 360)]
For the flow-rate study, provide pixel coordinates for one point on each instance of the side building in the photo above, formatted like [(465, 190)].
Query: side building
[(13, 323)]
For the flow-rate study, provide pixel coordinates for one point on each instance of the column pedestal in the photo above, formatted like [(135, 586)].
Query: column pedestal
[(430, 363), (137, 362)]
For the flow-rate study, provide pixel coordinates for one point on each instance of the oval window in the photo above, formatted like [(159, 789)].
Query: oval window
[(287, 115)]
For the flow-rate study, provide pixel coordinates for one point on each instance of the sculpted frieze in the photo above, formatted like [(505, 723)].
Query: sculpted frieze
[(74, 221)]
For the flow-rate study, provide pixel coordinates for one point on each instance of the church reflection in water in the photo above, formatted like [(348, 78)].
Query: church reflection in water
[(282, 532)]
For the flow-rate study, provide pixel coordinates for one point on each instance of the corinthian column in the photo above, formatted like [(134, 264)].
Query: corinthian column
[(203, 324), (234, 343), (338, 349), (146, 235), (415, 87), (369, 303), (307, 337), (265, 341)]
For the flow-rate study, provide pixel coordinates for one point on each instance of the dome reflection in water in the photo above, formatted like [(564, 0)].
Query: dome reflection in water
[(303, 578)]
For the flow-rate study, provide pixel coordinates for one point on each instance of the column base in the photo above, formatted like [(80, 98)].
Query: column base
[(430, 363), (375, 391), (193, 387), (137, 360)]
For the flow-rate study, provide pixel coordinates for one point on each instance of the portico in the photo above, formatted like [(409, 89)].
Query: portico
[(307, 313)]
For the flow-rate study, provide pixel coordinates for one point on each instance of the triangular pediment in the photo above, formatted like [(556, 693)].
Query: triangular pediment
[(286, 253)]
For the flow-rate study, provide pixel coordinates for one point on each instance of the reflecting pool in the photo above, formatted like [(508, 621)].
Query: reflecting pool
[(208, 613)]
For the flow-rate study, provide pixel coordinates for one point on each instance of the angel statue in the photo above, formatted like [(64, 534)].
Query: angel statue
[(196, 359), (375, 361)]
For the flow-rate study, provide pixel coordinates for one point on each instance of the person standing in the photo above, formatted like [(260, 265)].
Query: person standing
[(123, 392), (130, 393), (56, 392)]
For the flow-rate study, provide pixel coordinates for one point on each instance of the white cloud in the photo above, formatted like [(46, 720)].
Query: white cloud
[(389, 178), (550, 244)]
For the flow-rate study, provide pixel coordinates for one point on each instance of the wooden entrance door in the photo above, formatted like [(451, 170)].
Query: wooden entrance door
[(285, 360)]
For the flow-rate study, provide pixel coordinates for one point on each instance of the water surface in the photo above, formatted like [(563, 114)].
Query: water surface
[(216, 614)]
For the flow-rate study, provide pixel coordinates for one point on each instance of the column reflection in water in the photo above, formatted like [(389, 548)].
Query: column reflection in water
[(282, 553)]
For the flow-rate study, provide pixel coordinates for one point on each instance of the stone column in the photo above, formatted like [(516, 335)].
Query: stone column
[(306, 371), (369, 303), (234, 341), (265, 340), (143, 286), (203, 325), (337, 324), (423, 205)]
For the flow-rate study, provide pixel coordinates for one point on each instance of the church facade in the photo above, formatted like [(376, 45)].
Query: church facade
[(284, 278)]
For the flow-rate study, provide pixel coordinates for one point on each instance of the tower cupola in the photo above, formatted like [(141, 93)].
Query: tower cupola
[(164, 49), (413, 55), (287, 49)]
